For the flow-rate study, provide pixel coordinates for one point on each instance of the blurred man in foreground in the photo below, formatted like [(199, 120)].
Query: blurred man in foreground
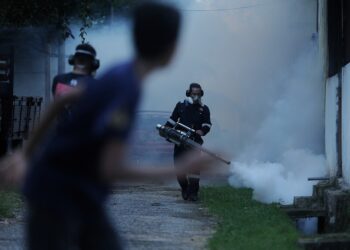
[(69, 174)]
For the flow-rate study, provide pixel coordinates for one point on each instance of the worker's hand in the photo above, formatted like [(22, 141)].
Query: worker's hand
[(12, 169), (200, 132)]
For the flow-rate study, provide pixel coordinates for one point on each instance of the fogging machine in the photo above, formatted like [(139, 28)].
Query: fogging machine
[(184, 137)]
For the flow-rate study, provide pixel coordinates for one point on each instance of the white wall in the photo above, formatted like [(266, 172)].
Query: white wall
[(346, 123), (29, 75), (331, 115), (323, 34), (33, 68)]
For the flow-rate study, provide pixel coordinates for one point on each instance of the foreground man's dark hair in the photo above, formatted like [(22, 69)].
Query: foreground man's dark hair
[(156, 29)]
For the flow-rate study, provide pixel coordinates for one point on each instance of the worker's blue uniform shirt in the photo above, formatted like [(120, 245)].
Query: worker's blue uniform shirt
[(66, 166)]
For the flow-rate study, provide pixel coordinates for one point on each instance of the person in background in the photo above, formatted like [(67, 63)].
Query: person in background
[(194, 114), (84, 64)]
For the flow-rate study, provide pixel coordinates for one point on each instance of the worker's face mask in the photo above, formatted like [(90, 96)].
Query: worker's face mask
[(195, 98)]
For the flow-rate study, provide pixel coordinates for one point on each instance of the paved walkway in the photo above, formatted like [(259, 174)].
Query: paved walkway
[(156, 217), (147, 216)]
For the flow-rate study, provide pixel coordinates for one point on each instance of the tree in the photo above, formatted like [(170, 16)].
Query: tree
[(58, 14)]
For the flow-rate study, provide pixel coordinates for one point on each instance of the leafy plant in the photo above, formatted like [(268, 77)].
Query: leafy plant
[(59, 14)]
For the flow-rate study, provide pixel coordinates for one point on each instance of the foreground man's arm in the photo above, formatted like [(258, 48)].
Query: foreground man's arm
[(114, 168), (13, 167)]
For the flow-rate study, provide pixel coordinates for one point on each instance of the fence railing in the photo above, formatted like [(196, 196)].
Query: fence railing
[(25, 116)]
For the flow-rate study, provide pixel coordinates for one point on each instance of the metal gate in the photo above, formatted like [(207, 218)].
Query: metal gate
[(6, 93), (25, 115), (18, 115)]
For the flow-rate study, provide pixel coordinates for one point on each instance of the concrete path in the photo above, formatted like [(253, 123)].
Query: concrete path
[(156, 217), (11, 234), (147, 216)]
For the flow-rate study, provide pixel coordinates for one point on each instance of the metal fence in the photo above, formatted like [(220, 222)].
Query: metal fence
[(25, 116)]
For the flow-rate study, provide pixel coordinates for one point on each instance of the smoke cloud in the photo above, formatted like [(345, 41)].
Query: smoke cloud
[(258, 63)]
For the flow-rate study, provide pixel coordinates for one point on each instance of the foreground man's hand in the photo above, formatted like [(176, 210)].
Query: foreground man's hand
[(197, 161), (12, 169), (200, 132)]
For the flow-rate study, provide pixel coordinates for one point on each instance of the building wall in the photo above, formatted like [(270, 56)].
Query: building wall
[(346, 123), (29, 78), (35, 63), (345, 81), (331, 116), (338, 58)]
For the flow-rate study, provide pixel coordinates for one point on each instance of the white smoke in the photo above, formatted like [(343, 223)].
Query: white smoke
[(279, 181), (258, 64), (112, 43), (284, 151), (264, 75)]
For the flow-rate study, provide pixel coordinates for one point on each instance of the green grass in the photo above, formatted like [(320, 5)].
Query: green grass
[(9, 202), (245, 223)]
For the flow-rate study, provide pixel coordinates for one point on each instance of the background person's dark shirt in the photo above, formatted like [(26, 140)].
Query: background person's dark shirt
[(63, 84), (69, 79)]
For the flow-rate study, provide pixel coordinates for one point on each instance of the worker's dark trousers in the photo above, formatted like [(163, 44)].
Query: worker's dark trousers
[(190, 181)]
